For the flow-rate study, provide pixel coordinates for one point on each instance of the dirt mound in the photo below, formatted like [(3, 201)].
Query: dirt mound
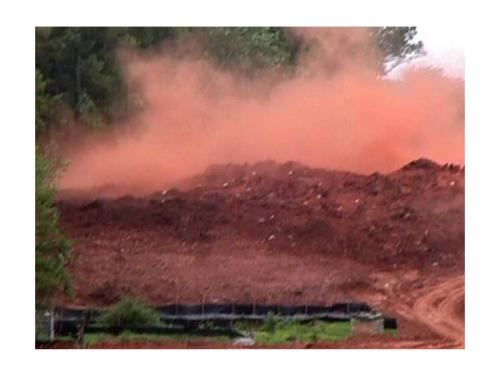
[(413, 216), (268, 232)]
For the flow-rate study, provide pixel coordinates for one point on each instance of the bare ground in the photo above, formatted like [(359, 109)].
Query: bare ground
[(283, 233)]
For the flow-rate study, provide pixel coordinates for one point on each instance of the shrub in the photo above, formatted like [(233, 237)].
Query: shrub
[(130, 313), (271, 322)]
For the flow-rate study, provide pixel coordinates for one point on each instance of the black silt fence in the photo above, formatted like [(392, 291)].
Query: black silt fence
[(221, 317)]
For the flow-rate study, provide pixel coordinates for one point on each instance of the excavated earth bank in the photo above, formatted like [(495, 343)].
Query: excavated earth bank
[(283, 233)]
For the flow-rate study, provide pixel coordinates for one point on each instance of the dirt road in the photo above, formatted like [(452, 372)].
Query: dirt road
[(442, 308)]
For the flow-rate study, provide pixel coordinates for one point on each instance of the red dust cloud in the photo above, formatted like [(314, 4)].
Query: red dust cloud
[(334, 114)]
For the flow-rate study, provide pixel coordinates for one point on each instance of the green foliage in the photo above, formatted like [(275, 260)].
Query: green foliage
[(250, 49), (130, 313), (295, 331), (78, 66), (393, 332), (51, 246), (150, 37), (271, 322), (89, 112), (276, 329), (94, 338), (397, 45), (42, 104)]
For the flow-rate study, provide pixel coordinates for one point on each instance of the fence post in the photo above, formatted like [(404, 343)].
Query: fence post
[(176, 303), (52, 333), (233, 313)]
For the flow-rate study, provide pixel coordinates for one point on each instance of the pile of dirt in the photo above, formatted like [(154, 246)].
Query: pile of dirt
[(271, 233)]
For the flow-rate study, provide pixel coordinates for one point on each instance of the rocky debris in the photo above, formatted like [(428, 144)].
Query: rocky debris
[(378, 217)]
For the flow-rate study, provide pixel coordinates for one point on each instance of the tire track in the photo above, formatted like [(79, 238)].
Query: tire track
[(439, 308)]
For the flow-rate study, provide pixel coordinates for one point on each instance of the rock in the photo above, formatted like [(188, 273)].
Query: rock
[(244, 341)]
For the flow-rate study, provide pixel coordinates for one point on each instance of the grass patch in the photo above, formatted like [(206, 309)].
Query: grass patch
[(393, 332), (283, 331), (278, 330), (56, 338), (93, 338)]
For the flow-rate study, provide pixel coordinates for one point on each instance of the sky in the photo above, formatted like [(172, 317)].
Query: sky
[(444, 47)]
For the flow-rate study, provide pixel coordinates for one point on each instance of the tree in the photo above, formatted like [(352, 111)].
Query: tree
[(397, 45), (43, 102), (78, 66), (250, 49), (51, 246)]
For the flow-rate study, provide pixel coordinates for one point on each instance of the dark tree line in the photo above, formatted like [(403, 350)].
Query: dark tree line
[(78, 67)]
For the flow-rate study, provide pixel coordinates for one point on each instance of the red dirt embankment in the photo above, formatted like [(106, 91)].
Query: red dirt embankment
[(283, 233)]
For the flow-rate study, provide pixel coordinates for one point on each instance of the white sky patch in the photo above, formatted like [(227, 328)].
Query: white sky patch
[(444, 46)]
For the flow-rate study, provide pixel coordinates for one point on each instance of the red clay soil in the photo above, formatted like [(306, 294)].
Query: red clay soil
[(283, 233), (359, 342)]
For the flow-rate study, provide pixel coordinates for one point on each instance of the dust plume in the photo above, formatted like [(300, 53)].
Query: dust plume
[(334, 112)]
